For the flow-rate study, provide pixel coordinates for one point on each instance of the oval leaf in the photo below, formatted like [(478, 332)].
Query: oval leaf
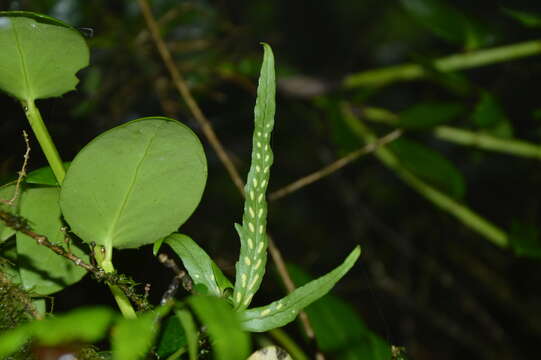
[(41, 270), (134, 184), (40, 55)]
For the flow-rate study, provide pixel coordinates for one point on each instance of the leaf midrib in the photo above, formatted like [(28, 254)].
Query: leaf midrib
[(24, 69), (111, 234)]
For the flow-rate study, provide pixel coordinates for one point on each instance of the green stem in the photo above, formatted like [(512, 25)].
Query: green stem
[(47, 145), (288, 344), (380, 77), (488, 142), (121, 299), (463, 137), (463, 213)]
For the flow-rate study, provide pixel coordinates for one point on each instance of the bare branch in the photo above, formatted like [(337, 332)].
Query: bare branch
[(180, 277), (338, 164), (186, 94), (22, 173)]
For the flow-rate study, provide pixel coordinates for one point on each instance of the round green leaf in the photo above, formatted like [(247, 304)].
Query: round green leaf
[(134, 184), (40, 55), (41, 270)]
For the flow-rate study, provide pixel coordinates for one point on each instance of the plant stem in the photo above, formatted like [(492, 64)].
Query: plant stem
[(491, 232), (288, 344), (488, 142), (121, 299), (384, 76), (463, 137), (42, 134)]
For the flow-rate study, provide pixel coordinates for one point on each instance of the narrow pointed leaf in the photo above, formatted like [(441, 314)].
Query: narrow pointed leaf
[(253, 250), (134, 184), (186, 319), (229, 341), (281, 312), (42, 270), (40, 55), (196, 261)]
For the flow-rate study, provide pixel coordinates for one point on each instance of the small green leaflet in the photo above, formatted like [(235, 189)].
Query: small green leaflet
[(253, 250), (196, 261), (283, 311)]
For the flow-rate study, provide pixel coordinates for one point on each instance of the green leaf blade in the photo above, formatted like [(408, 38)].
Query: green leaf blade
[(138, 182), (190, 330), (429, 114), (229, 341), (132, 338), (40, 56), (253, 252), (196, 261), (430, 165), (449, 23), (285, 310), (42, 270), (92, 325)]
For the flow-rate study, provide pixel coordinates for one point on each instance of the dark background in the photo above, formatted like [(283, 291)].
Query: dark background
[(424, 280)]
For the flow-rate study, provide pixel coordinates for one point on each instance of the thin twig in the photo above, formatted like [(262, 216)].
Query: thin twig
[(125, 284), (338, 164), (180, 277), (22, 172), (186, 94)]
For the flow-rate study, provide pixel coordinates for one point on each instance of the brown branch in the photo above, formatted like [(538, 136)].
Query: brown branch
[(22, 172), (186, 94), (125, 284), (180, 277), (338, 164)]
